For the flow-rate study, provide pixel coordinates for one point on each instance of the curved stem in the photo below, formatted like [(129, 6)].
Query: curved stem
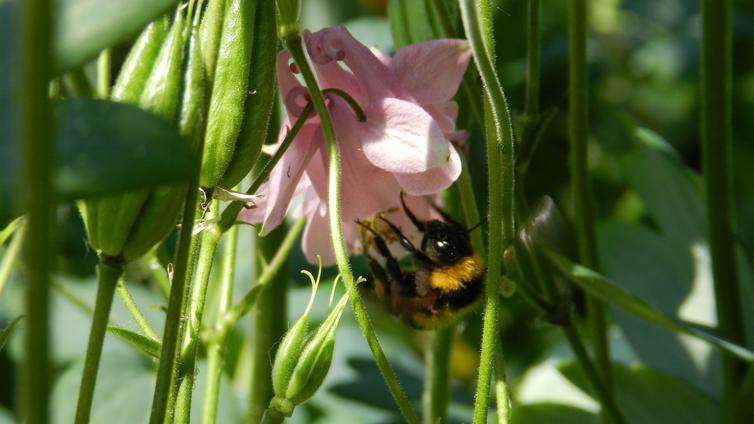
[(578, 104), (109, 271), (133, 309), (216, 350), (716, 162), (501, 186), (437, 376), (37, 153), (293, 44)]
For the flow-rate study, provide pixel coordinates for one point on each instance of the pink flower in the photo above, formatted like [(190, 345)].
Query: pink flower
[(404, 144)]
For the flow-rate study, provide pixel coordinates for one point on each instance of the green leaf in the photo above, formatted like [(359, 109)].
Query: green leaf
[(647, 396), (146, 345), (10, 229), (610, 293), (102, 147), (83, 28), (5, 334), (546, 413)]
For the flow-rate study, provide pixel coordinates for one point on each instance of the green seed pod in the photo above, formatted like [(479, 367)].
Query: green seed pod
[(316, 357), (293, 342), (108, 235), (229, 90), (128, 225), (160, 211), (210, 30), (260, 100)]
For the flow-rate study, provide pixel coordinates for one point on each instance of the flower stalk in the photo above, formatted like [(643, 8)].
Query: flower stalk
[(292, 41), (216, 348), (583, 202), (716, 71), (501, 186), (109, 271)]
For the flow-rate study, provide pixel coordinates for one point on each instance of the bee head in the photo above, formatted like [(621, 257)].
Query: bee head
[(445, 243)]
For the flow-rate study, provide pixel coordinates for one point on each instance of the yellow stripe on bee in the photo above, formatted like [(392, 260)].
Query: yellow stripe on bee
[(454, 277)]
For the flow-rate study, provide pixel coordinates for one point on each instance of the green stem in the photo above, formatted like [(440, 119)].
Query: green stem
[(9, 258), (133, 309), (501, 186), (190, 339), (502, 394), (37, 153), (716, 72), (292, 42), (271, 416), (437, 376), (269, 319), (168, 366), (216, 349), (578, 102), (243, 306), (598, 385), (533, 48), (104, 74), (470, 208), (109, 271)]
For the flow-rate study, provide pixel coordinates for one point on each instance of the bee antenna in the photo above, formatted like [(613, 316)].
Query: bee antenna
[(476, 226), (420, 225)]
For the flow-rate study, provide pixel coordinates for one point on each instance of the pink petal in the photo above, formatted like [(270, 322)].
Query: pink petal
[(336, 44), (331, 75), (286, 78), (318, 241), (286, 175), (432, 70), (365, 188), (400, 136), (432, 180), (255, 215)]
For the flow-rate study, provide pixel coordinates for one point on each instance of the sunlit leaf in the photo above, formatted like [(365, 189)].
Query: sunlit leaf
[(612, 294), (650, 397), (146, 345)]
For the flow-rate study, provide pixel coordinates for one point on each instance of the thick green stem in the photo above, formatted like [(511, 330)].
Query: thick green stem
[(716, 72), (533, 50), (37, 153), (133, 309), (293, 43), (109, 271), (216, 349), (168, 366), (598, 385), (186, 363), (501, 186), (437, 376), (268, 324), (581, 189)]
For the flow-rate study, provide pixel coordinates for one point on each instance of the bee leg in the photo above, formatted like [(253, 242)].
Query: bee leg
[(394, 274), (380, 279), (406, 243)]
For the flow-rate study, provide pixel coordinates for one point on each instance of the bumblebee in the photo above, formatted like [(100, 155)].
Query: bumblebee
[(445, 281)]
